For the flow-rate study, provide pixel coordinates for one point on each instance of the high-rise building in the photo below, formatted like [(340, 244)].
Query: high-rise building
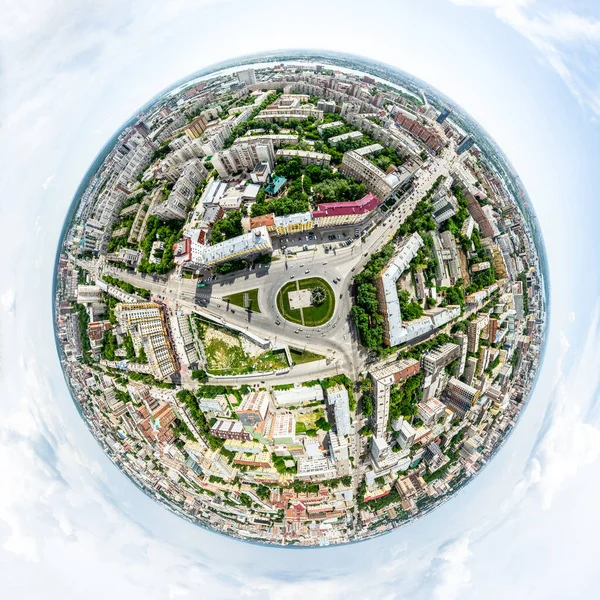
[(177, 203), (337, 398), (244, 157), (474, 332), (431, 411), (196, 128), (440, 357), (464, 145), (338, 447), (327, 106), (470, 370), (443, 116), (459, 397), (463, 341), (146, 324), (247, 77), (382, 380)]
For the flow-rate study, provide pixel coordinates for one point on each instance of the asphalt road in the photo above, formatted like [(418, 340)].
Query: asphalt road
[(337, 339)]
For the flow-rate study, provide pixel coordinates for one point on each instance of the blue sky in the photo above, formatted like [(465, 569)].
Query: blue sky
[(72, 525)]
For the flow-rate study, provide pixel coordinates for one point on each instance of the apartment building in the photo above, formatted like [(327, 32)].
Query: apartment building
[(146, 324), (243, 157), (362, 169), (176, 205)]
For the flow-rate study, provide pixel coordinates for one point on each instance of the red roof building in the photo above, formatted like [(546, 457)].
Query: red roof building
[(343, 213)]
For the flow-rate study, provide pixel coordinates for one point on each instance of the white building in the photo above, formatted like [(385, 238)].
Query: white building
[(395, 330), (351, 135), (362, 169), (277, 139), (337, 398), (306, 158), (243, 157), (315, 468), (431, 411), (217, 405), (243, 246), (247, 77), (146, 324), (177, 203), (327, 106), (298, 395), (338, 447), (382, 380)]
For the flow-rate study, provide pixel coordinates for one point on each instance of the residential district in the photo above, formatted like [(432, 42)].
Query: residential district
[(299, 305)]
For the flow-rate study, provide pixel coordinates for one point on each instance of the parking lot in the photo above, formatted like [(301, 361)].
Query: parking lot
[(307, 241)]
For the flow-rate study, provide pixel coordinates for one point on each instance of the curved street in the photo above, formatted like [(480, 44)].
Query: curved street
[(337, 339)]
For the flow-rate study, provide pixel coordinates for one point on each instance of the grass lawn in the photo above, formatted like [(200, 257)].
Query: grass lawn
[(309, 420), (301, 357), (226, 356), (313, 315), (238, 300)]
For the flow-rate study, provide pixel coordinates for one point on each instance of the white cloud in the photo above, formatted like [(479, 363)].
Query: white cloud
[(8, 301), (567, 440), (450, 569), (48, 181), (563, 39)]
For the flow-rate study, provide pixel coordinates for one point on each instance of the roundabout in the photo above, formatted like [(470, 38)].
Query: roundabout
[(309, 302)]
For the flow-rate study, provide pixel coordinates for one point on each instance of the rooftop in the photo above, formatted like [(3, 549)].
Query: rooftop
[(357, 207)]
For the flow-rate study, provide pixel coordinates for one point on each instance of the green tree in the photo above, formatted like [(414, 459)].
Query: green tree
[(199, 375), (142, 358)]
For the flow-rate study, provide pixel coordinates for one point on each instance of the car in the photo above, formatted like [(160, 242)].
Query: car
[(308, 336), (291, 277), (341, 296), (307, 271), (302, 265), (324, 263), (352, 269), (366, 254), (345, 337), (278, 322)]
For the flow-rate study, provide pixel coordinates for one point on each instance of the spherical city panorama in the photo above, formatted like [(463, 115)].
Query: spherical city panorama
[(300, 298)]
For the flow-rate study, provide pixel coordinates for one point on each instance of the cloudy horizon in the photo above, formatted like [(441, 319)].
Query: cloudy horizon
[(72, 524)]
